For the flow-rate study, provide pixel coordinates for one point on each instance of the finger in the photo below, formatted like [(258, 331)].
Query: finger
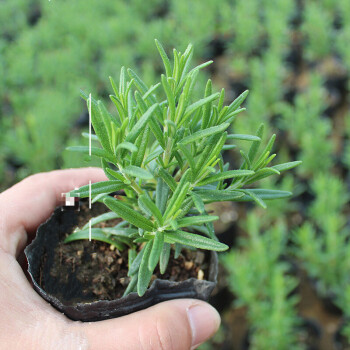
[(30, 202), (173, 325)]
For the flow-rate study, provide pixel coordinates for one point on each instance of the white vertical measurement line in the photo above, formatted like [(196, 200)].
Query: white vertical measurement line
[(90, 124), (90, 208), (90, 194)]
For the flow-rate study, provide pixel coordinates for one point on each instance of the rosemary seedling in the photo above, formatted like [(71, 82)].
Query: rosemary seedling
[(163, 150)]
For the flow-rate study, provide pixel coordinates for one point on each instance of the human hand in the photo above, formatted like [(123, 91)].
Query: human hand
[(28, 322)]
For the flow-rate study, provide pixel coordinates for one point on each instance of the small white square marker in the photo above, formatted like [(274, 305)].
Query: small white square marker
[(69, 201)]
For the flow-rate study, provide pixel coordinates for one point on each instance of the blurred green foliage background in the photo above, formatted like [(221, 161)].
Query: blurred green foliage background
[(293, 56)]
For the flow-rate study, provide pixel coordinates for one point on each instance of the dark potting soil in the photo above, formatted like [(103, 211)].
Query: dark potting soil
[(84, 271)]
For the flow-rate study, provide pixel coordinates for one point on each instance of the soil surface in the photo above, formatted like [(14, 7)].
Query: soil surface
[(91, 271)]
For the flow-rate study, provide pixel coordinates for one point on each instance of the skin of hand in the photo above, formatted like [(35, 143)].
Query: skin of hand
[(28, 322)]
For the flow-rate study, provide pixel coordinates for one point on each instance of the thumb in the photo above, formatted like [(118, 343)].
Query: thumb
[(180, 324)]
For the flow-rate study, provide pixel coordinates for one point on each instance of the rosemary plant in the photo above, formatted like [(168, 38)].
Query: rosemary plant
[(163, 151)]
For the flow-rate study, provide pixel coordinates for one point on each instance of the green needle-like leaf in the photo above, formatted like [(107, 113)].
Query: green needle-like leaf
[(141, 143), (189, 157), (144, 274), (225, 175), (194, 240), (265, 194), (117, 175), (162, 192), (101, 218), (211, 151), (256, 198), (157, 247), (153, 155), (238, 101), (135, 266), (141, 86), (198, 202), (261, 174), (107, 120), (138, 172), (86, 135), (196, 220), (199, 135), (164, 257), (168, 179), (228, 147), (193, 107), (148, 205), (96, 234), (178, 248), (256, 144), (132, 216), (150, 91), (98, 187), (105, 167), (164, 57), (138, 127), (178, 196), (98, 152), (157, 132), (131, 286), (120, 108), (127, 145), (98, 122), (170, 96), (208, 106), (210, 196), (286, 166), (243, 137)]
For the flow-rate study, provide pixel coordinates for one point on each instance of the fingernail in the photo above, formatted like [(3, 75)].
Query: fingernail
[(204, 321)]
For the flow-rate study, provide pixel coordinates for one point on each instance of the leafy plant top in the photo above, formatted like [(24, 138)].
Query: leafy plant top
[(162, 154)]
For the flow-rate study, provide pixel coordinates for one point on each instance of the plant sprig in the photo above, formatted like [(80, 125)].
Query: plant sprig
[(164, 150)]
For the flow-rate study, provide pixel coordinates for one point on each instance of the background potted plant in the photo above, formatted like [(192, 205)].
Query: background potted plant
[(273, 319), (162, 154)]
